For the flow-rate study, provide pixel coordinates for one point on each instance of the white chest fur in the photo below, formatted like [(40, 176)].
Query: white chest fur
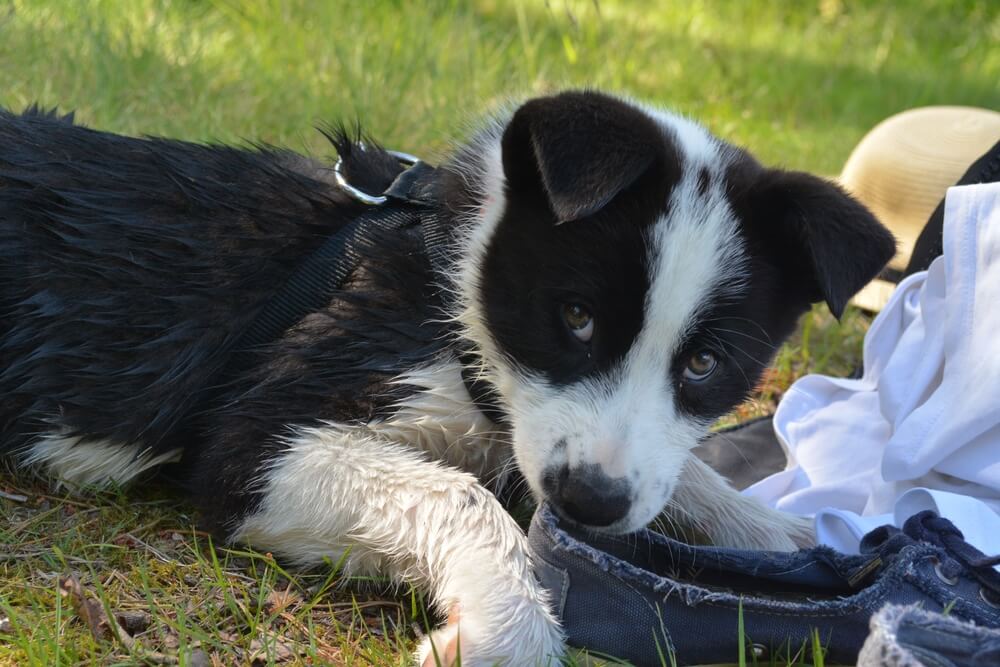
[(441, 419)]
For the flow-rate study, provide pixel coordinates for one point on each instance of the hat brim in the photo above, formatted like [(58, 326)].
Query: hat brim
[(902, 168)]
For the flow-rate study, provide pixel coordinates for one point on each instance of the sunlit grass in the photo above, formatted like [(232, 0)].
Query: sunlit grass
[(799, 83)]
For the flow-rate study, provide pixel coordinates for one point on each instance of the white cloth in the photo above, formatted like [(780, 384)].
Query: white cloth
[(921, 428)]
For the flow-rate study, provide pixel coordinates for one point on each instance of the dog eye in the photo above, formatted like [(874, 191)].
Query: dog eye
[(701, 364), (579, 321)]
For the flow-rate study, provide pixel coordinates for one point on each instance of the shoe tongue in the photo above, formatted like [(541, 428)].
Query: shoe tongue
[(884, 540)]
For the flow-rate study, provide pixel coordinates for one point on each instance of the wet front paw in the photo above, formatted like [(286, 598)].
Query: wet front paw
[(441, 648), (773, 530), (759, 528), (468, 639), (802, 531)]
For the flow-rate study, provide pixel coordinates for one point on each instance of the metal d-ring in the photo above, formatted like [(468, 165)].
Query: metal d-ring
[(951, 581), (982, 596), (363, 197)]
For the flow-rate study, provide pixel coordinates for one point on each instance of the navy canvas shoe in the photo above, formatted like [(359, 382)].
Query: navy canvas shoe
[(638, 597), (913, 637)]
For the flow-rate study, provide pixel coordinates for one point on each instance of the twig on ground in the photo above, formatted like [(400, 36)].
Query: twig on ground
[(16, 497), (103, 628), (159, 555), (92, 612)]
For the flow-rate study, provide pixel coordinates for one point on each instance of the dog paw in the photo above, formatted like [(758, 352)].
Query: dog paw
[(751, 525), (465, 640), (773, 530), (441, 648), (802, 531)]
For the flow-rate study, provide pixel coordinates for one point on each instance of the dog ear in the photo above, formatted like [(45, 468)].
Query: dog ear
[(830, 244), (578, 150)]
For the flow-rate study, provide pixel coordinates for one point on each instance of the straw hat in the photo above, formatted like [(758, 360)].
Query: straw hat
[(902, 168)]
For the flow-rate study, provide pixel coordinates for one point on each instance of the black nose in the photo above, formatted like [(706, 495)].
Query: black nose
[(587, 495)]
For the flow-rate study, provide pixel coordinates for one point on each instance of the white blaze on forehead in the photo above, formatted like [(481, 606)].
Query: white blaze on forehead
[(696, 257), (698, 147), (695, 254)]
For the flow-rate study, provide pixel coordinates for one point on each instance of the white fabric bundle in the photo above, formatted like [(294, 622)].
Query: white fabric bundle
[(921, 428)]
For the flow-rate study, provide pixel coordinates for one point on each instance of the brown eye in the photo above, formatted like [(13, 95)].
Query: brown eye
[(701, 364), (579, 321)]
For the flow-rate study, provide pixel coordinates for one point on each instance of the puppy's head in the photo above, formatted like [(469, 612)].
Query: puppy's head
[(627, 278)]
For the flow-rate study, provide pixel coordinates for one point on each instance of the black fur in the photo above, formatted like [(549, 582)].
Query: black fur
[(588, 158), (820, 238), (126, 265), (808, 241), (587, 148)]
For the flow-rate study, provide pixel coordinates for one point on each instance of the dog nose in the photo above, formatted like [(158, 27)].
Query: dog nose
[(588, 496)]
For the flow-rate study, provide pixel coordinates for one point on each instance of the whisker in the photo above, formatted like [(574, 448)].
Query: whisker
[(763, 342), (760, 328), (726, 346)]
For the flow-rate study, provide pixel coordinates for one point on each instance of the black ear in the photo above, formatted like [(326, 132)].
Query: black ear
[(578, 150), (828, 242)]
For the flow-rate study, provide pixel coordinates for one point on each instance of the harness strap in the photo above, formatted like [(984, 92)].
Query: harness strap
[(416, 184), (316, 280), (410, 200)]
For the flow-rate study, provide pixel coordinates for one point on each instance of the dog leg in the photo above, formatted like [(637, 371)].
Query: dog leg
[(705, 500), (338, 488)]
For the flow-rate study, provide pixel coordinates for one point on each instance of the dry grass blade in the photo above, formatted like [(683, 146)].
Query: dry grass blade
[(279, 600)]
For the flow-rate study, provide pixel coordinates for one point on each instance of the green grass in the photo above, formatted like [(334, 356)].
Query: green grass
[(139, 554), (798, 83)]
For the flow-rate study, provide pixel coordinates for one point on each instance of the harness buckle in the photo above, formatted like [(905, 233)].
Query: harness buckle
[(409, 161)]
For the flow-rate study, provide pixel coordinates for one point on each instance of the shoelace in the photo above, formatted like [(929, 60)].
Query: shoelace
[(928, 527), (959, 556)]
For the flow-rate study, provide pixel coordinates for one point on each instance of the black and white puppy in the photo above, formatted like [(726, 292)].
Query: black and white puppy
[(616, 276)]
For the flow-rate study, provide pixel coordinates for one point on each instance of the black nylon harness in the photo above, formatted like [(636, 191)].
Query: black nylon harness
[(410, 200)]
